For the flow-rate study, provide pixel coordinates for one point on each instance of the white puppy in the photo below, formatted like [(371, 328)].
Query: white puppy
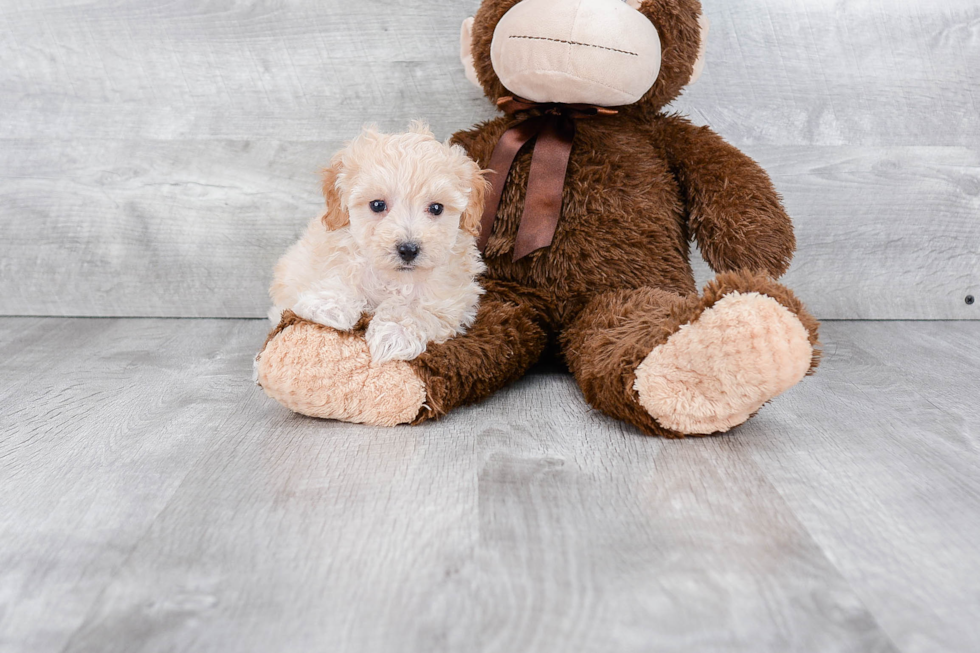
[(398, 241)]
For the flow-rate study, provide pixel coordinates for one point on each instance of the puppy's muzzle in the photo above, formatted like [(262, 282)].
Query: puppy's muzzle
[(408, 252)]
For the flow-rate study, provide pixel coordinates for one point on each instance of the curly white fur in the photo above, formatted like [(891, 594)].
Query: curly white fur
[(347, 263)]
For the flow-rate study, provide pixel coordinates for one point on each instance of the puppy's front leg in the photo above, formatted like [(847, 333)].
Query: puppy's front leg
[(395, 334), (332, 306)]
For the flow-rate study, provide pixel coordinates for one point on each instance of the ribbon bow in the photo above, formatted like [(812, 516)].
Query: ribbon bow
[(555, 131)]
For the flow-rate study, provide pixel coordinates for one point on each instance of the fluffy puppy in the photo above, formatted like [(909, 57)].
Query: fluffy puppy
[(398, 240)]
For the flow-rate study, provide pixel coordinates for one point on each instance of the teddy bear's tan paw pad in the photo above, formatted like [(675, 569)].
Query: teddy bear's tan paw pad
[(715, 373), (320, 372)]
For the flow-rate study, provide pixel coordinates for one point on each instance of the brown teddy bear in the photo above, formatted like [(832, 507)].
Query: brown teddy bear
[(596, 196)]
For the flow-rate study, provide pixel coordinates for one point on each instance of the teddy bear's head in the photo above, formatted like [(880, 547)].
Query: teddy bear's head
[(608, 53)]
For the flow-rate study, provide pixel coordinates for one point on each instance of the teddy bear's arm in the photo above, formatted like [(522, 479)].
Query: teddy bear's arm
[(735, 213)]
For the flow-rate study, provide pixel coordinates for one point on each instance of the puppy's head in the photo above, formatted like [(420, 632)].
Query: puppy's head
[(405, 197)]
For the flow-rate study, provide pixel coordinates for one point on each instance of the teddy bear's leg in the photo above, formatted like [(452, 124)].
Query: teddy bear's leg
[(508, 338), (678, 365), (320, 372)]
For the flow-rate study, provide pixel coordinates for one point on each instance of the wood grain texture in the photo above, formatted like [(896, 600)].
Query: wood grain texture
[(831, 72), (152, 499), (84, 453), (164, 228), (240, 70), (155, 160), (824, 72), (897, 417)]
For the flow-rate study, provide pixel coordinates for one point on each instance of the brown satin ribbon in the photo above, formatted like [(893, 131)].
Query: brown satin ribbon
[(555, 131)]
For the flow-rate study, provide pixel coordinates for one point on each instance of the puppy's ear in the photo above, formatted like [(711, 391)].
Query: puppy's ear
[(473, 214), (336, 216)]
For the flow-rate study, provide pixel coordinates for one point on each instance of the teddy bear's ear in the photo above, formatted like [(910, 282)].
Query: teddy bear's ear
[(472, 215), (703, 50), (466, 51), (336, 215)]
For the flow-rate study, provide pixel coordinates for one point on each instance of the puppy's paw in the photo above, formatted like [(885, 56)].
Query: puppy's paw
[(335, 312), (390, 341)]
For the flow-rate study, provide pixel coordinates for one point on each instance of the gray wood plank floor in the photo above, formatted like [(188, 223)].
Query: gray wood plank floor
[(152, 499)]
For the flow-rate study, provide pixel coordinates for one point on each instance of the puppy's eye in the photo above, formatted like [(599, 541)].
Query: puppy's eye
[(436, 209), (379, 206)]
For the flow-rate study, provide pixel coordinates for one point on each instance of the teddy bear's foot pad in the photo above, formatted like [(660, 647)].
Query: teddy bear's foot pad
[(716, 372), (320, 372)]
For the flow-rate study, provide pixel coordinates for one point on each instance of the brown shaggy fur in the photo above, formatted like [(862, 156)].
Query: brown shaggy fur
[(508, 337), (616, 330), (616, 281)]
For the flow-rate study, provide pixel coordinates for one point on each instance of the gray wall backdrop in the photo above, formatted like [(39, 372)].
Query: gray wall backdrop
[(156, 158)]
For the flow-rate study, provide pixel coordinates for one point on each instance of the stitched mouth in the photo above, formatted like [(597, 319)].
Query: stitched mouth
[(585, 45)]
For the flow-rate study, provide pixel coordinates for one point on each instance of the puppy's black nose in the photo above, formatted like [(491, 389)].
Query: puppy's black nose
[(408, 251)]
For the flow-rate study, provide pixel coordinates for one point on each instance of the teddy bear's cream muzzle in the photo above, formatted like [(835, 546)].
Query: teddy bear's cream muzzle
[(599, 52)]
